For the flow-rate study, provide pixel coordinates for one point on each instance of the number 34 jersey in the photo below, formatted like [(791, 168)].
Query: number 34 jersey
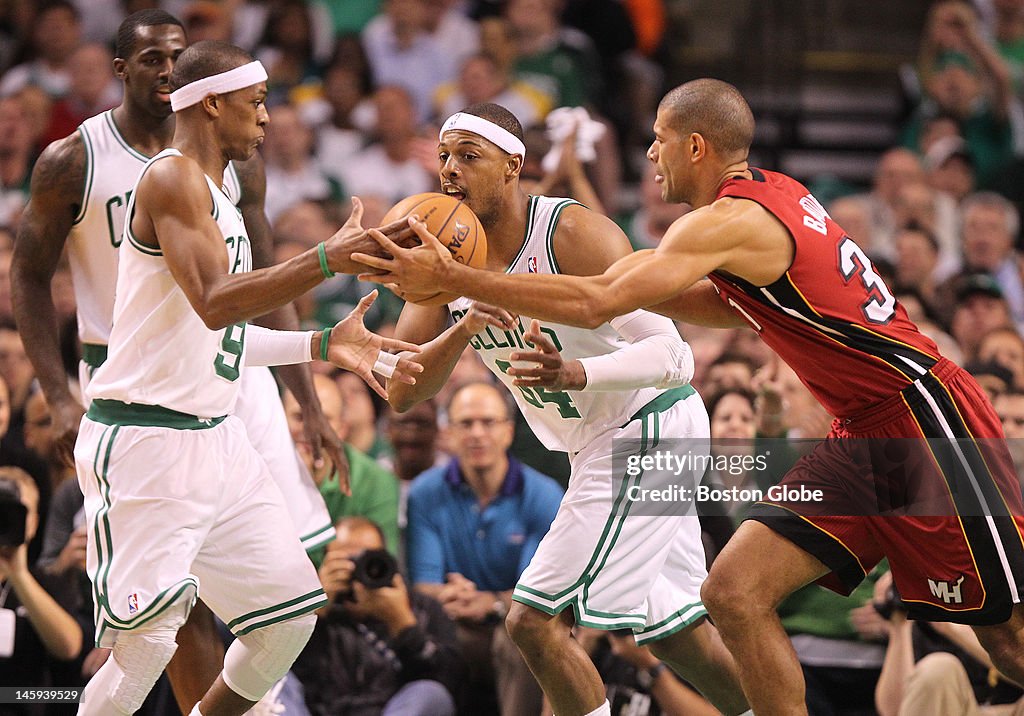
[(160, 352), (561, 420), (830, 316)]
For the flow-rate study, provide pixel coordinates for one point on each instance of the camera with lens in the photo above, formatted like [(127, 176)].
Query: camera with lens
[(374, 568), (13, 515)]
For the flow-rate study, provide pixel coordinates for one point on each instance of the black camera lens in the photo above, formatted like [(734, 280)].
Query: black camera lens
[(374, 568)]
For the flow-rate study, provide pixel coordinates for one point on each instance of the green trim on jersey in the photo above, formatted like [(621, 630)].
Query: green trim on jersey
[(141, 247), (94, 354), (105, 552), (549, 240), (90, 168), (668, 626), (114, 412), (531, 211), (663, 402), (109, 116), (311, 601), (318, 538)]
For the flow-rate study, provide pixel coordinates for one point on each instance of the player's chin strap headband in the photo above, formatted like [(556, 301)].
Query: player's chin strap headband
[(236, 79), (486, 129)]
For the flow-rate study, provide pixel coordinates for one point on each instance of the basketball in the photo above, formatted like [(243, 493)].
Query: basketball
[(454, 224)]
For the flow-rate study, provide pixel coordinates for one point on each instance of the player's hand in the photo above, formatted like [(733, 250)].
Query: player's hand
[(321, 439), (417, 271), (481, 315), (66, 416), (355, 348), (549, 371)]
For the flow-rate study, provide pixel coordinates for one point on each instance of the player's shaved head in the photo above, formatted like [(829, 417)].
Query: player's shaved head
[(715, 110), (127, 32), (496, 114), (205, 59)]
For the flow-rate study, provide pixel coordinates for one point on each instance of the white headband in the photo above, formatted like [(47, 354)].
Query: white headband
[(486, 129), (236, 79)]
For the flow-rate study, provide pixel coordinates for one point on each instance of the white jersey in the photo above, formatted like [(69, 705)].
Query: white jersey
[(112, 169), (562, 420), (161, 353)]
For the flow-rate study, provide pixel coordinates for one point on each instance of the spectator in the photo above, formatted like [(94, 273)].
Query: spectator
[(980, 309), (950, 168), (447, 23), (14, 454), (559, 61), (729, 371), (918, 204), (413, 436), (917, 255), (855, 215), (402, 52), (376, 650), (393, 166), (895, 169), (42, 628), (292, 173), (17, 373), (1010, 408), (360, 416), (964, 77), (483, 79), (474, 525), (1005, 347), (374, 490), (287, 49), (937, 668), (207, 20), (55, 36), (93, 89), (338, 138), (16, 156)]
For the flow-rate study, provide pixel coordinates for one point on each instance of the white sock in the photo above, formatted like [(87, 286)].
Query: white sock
[(195, 711), (748, 712), (604, 709)]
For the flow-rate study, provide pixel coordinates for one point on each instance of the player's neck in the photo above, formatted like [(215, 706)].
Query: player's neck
[(205, 151), (505, 235), (710, 193), (143, 132)]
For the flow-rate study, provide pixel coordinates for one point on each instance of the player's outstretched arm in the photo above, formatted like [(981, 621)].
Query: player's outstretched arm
[(704, 241), (700, 305), (440, 347), (297, 377), (58, 181), (353, 347)]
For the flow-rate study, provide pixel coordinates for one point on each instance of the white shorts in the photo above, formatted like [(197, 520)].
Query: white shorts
[(615, 569), (176, 512), (259, 407)]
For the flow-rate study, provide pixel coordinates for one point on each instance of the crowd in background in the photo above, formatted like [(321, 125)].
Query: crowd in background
[(357, 90)]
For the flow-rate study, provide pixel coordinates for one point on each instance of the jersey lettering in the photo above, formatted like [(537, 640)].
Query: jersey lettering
[(115, 209), (814, 214)]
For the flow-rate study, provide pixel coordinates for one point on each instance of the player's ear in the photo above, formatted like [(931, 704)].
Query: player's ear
[(120, 68), (514, 165), (211, 103), (698, 146)]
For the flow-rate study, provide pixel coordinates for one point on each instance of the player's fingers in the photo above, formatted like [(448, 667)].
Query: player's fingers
[(356, 217), (378, 262), (423, 232), (375, 385), (386, 279), (393, 344), (540, 339), (364, 304)]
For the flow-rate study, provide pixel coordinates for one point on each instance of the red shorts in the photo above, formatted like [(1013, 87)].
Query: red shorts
[(926, 480)]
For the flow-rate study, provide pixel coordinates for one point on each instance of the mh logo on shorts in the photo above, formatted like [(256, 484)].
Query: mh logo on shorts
[(133, 603), (949, 592)]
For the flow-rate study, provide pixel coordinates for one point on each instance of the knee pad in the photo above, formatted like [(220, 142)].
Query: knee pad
[(124, 681), (256, 661)]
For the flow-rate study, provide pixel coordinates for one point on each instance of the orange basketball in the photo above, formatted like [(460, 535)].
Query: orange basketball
[(454, 224)]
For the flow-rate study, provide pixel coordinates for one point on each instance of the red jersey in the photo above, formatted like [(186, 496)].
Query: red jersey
[(830, 316)]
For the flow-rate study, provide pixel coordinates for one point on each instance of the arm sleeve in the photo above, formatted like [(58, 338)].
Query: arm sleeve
[(265, 346), (656, 356)]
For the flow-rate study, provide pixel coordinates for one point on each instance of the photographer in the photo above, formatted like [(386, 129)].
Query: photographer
[(937, 668), (33, 627), (376, 649)]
